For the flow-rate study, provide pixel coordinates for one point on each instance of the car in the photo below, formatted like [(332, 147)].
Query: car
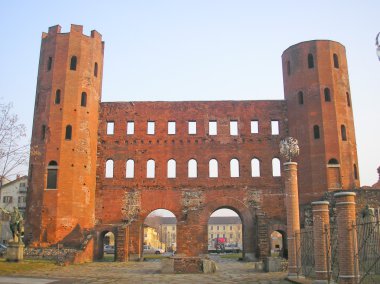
[(3, 249), (108, 249), (151, 250)]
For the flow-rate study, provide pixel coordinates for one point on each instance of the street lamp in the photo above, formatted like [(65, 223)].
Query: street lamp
[(378, 46)]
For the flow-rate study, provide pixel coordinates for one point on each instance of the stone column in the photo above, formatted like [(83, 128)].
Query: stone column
[(347, 247), (292, 216), (121, 240), (321, 233)]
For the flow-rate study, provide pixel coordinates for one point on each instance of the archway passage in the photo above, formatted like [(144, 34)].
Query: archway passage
[(108, 246), (278, 246), (160, 234), (225, 234)]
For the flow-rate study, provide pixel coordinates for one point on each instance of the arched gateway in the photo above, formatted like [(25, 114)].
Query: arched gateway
[(122, 160)]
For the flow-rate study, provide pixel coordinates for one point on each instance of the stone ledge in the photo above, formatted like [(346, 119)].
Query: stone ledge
[(177, 264)]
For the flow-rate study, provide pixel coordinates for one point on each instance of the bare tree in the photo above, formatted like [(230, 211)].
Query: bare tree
[(13, 149)]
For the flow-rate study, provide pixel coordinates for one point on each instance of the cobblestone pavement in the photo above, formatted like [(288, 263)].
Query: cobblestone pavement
[(229, 271)]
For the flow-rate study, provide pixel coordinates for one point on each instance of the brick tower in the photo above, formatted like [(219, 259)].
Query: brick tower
[(320, 116), (62, 174)]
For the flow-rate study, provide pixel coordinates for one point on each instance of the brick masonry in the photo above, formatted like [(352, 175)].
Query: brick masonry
[(86, 202)]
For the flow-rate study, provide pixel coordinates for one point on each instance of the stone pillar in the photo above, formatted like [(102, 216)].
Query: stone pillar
[(347, 246), (321, 233), (292, 217), (121, 240)]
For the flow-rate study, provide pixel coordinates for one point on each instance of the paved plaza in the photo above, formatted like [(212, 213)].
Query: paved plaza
[(229, 271)]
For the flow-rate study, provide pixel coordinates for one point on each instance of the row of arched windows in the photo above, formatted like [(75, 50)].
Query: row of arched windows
[(327, 96), (83, 98), (73, 64), (192, 167), (310, 62)]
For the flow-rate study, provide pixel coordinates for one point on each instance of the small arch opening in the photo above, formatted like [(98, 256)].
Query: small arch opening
[(68, 134), (83, 99), (150, 168), (192, 168), (316, 132), (333, 161), (348, 99), (343, 132), (288, 67), (50, 63), (213, 168), (172, 168), (73, 63), (327, 95), (96, 69), (255, 167), (52, 175), (278, 247), (108, 245), (109, 168), (356, 176), (130, 169), (336, 61), (57, 99), (234, 168), (310, 61), (300, 98), (276, 167)]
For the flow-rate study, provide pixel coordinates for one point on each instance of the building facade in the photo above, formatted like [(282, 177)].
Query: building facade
[(99, 166), (227, 228)]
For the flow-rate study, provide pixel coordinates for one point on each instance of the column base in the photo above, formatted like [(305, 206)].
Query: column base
[(15, 252)]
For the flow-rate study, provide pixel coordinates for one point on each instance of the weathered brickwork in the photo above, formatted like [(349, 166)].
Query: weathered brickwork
[(85, 201)]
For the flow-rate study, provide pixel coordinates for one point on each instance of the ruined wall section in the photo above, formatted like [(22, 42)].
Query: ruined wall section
[(121, 198)]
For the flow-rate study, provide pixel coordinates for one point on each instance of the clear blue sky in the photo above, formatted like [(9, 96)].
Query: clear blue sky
[(199, 50)]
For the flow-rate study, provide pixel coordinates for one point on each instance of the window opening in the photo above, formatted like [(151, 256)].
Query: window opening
[(300, 98), (348, 99), (109, 169), (150, 129), (171, 168), (68, 132), (83, 100), (192, 127), (57, 100), (212, 127), (130, 169), (255, 167), (310, 61), (192, 168), (288, 67), (110, 127), (233, 127), (43, 132), (150, 168), (171, 127), (213, 168), (50, 61), (73, 63), (327, 95), (336, 60), (355, 172), (276, 167), (254, 126), (275, 127), (316, 132), (343, 131), (234, 168), (96, 69), (130, 127), (52, 174)]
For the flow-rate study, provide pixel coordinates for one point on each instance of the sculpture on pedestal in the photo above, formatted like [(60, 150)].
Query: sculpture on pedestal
[(289, 148), (16, 224)]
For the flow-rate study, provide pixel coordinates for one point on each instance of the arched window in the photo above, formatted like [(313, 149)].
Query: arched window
[(300, 98), (348, 99), (73, 63), (96, 69), (52, 174), (213, 168), (109, 169), (316, 132), (83, 99), (336, 60), (57, 100), (192, 171), (288, 67), (355, 172), (150, 168), (333, 161), (171, 168), (343, 132), (276, 167), (43, 132), (130, 169), (50, 62), (327, 95), (234, 168), (310, 61), (255, 167), (68, 133)]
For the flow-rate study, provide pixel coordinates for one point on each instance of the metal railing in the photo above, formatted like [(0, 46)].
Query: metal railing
[(305, 253)]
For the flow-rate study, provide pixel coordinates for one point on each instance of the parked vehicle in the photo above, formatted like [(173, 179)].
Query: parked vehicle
[(3, 249), (151, 250), (108, 249)]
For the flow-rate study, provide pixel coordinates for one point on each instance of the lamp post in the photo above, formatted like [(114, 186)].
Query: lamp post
[(378, 46)]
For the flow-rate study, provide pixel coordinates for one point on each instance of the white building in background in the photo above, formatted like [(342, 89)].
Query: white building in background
[(12, 194)]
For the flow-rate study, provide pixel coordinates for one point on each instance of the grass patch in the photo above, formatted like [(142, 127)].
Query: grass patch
[(108, 258), (236, 256), (7, 268)]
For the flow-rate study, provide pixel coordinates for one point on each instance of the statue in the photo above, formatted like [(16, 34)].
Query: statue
[(289, 148), (16, 224)]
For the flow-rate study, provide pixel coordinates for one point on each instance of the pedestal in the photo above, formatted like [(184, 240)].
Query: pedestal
[(15, 252)]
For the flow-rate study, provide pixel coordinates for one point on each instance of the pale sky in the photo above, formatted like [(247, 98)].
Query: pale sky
[(199, 50)]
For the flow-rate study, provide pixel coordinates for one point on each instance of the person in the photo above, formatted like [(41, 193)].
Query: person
[(16, 223)]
